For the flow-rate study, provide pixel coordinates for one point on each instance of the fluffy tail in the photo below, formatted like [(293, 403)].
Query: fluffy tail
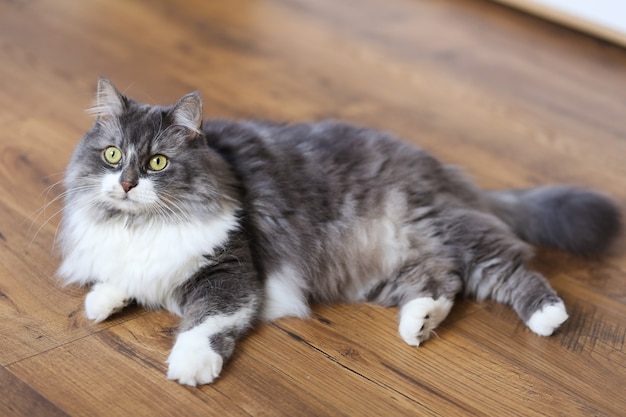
[(568, 218)]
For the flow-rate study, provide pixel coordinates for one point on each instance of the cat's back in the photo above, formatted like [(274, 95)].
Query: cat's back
[(332, 162), (264, 139), (329, 151)]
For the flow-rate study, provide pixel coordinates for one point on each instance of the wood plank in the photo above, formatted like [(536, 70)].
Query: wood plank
[(18, 399), (559, 370), (104, 375), (278, 382), (468, 349)]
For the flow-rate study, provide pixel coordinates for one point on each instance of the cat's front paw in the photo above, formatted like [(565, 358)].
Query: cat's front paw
[(547, 319), (420, 316), (193, 361), (102, 301)]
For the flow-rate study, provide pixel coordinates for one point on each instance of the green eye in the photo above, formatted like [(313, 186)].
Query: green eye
[(157, 163), (112, 155)]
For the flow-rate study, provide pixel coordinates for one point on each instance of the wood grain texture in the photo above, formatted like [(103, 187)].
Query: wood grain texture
[(19, 399), (516, 101)]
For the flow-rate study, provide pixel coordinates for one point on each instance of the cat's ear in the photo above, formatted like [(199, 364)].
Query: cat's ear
[(109, 102), (188, 112)]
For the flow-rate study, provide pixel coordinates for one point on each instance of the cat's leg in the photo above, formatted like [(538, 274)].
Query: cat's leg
[(201, 349), (104, 300), (496, 268), (509, 282), (424, 289), (219, 305), (429, 286)]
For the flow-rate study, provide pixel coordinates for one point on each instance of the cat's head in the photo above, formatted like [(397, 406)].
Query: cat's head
[(146, 162)]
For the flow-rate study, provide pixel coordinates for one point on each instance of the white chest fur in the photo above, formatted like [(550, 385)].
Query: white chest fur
[(146, 262)]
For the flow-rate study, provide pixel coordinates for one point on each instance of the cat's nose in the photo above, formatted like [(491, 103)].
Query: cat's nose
[(127, 186)]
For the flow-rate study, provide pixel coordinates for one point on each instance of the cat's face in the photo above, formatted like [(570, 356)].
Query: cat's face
[(142, 161)]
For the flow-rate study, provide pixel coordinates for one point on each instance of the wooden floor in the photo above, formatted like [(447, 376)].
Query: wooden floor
[(516, 101)]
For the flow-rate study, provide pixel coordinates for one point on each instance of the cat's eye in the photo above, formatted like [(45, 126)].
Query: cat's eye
[(157, 163), (112, 155)]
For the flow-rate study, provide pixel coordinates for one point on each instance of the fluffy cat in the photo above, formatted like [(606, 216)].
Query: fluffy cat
[(226, 223)]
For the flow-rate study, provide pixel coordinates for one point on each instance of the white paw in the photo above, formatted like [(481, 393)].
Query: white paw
[(420, 316), (102, 301), (547, 319), (193, 361)]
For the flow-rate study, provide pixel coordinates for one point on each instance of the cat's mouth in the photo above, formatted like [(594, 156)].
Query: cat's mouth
[(125, 203)]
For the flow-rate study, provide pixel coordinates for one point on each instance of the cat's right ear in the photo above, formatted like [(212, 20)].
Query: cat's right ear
[(187, 112), (109, 102)]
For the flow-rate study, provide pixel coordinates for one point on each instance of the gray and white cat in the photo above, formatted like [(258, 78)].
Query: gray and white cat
[(226, 223)]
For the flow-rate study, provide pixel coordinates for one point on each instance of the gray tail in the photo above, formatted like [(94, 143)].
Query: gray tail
[(567, 218)]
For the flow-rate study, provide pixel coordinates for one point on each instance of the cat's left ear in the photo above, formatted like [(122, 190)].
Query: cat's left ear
[(109, 102), (188, 112)]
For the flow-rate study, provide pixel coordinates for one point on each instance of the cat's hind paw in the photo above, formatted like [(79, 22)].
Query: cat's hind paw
[(547, 319), (193, 361), (420, 316), (103, 301)]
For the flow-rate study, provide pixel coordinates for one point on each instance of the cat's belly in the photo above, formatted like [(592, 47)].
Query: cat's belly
[(353, 264), (374, 252)]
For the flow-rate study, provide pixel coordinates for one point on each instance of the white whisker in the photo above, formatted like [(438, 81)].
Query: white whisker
[(42, 210)]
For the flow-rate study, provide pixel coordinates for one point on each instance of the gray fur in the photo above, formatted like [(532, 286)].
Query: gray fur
[(578, 221), (355, 214), (309, 187)]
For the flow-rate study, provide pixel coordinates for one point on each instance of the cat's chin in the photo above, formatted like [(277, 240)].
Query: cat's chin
[(125, 203), (126, 206)]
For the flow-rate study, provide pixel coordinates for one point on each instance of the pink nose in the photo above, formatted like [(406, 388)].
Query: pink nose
[(127, 186)]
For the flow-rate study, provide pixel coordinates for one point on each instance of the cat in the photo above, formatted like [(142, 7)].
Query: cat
[(230, 223)]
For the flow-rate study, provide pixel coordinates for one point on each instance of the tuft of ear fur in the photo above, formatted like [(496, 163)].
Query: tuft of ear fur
[(188, 112), (109, 102)]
